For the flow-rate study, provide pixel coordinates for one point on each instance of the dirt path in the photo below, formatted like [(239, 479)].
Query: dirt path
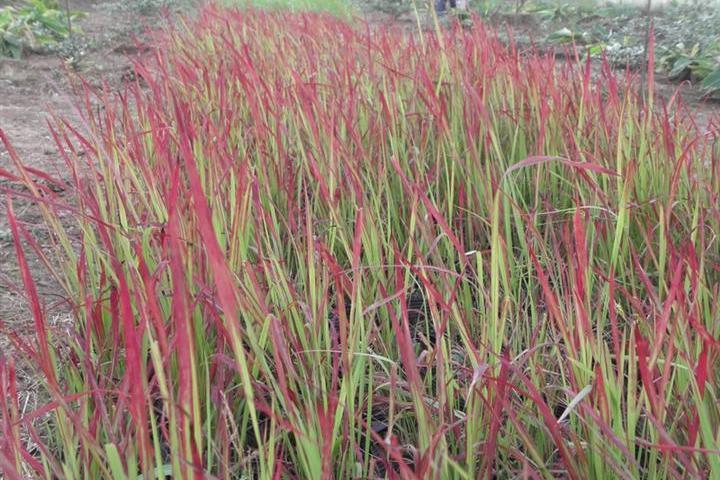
[(30, 90)]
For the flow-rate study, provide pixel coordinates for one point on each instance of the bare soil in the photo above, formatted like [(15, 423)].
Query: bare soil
[(33, 90)]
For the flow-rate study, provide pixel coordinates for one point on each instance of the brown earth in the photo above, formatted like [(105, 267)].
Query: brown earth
[(32, 90)]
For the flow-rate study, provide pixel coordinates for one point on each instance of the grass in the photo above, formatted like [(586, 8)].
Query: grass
[(311, 250), (344, 9)]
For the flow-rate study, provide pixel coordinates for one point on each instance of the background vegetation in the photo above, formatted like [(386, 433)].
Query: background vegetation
[(35, 25)]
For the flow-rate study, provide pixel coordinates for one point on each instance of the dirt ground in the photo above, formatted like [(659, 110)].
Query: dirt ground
[(32, 87)]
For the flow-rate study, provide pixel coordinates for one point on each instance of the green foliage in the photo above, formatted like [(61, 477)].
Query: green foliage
[(339, 8), (712, 81), (36, 26), (684, 63)]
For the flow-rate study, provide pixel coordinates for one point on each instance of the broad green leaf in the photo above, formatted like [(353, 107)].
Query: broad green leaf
[(680, 67), (712, 81)]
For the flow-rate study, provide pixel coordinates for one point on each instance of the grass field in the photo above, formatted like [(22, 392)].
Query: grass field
[(306, 249), (344, 9)]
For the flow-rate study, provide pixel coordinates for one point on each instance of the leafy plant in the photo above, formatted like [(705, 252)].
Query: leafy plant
[(712, 81), (696, 63), (36, 26)]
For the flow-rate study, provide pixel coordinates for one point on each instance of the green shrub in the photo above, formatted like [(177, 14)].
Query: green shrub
[(36, 26)]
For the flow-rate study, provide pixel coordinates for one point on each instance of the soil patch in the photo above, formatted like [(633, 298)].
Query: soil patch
[(33, 89)]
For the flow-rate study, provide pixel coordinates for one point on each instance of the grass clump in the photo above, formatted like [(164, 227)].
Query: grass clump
[(311, 250)]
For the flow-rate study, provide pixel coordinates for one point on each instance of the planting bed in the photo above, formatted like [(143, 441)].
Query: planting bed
[(301, 248)]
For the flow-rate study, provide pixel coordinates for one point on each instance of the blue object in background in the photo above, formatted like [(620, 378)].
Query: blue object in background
[(441, 5)]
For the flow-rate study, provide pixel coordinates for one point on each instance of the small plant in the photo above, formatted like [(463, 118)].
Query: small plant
[(37, 26), (700, 64), (694, 63), (711, 83)]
